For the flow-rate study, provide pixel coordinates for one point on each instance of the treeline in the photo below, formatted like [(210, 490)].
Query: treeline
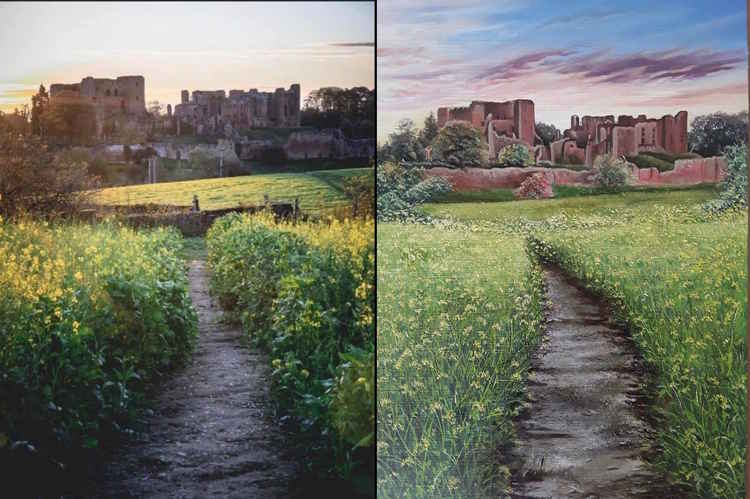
[(350, 109)]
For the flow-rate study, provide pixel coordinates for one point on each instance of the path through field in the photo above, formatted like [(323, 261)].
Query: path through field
[(583, 436), (210, 434)]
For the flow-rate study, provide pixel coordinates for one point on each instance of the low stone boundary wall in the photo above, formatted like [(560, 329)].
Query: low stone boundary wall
[(196, 223), (471, 179), (686, 172)]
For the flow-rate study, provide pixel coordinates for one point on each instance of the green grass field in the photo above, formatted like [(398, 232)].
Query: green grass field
[(677, 279), (572, 206), (316, 194)]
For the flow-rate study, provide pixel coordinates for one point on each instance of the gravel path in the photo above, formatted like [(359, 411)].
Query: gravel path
[(583, 436), (210, 434)]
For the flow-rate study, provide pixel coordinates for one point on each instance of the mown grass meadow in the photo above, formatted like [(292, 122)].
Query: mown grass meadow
[(317, 191)]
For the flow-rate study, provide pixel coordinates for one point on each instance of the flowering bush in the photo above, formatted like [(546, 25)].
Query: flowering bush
[(88, 316), (535, 187), (515, 155), (611, 172), (305, 292)]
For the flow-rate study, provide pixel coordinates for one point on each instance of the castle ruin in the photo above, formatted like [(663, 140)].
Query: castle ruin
[(592, 136), (211, 111), (125, 94), (513, 122)]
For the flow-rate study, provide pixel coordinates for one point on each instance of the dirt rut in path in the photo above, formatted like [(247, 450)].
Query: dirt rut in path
[(210, 434), (583, 436)]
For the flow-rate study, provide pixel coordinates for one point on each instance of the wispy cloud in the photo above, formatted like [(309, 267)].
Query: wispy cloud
[(354, 44)]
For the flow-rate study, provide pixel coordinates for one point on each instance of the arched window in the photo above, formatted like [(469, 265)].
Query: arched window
[(107, 93)]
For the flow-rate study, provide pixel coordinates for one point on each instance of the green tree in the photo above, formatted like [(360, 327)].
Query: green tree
[(459, 144), (403, 143), (548, 133), (70, 123), (430, 130), (710, 134), (39, 104), (33, 180)]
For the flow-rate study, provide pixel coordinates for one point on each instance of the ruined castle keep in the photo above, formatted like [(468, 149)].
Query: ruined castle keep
[(125, 94), (211, 111), (503, 123)]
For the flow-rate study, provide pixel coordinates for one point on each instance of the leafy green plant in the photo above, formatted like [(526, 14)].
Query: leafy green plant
[(515, 155), (611, 173), (400, 189), (90, 315), (305, 293), (733, 195), (459, 144)]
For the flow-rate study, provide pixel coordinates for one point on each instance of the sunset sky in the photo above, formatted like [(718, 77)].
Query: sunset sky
[(582, 57), (194, 46)]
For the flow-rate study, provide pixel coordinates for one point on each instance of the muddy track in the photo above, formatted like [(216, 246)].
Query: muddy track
[(583, 435), (211, 433)]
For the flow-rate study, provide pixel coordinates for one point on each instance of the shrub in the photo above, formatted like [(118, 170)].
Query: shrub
[(733, 193), (305, 293), (400, 189), (649, 161), (611, 173), (459, 144), (515, 155), (535, 187), (89, 315)]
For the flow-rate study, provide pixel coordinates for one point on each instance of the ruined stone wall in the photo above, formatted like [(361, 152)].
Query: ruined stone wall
[(623, 141), (125, 93), (328, 144), (686, 172), (523, 113)]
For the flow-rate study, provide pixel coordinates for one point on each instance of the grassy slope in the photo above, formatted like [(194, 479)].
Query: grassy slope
[(315, 195), (458, 314)]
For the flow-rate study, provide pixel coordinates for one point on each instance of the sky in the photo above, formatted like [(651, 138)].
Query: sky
[(585, 57), (193, 46)]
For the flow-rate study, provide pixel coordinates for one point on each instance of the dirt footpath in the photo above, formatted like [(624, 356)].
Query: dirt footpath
[(211, 434), (583, 436)]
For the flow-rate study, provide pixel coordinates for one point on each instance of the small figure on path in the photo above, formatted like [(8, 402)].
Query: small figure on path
[(195, 207)]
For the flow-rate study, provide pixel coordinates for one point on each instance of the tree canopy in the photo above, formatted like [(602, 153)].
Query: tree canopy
[(710, 134)]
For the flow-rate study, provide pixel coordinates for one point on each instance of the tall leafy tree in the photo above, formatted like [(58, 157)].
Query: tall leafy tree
[(430, 130), (459, 144), (39, 104), (710, 134), (547, 132)]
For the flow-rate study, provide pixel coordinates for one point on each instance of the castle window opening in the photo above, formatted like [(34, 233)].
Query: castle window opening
[(107, 93)]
